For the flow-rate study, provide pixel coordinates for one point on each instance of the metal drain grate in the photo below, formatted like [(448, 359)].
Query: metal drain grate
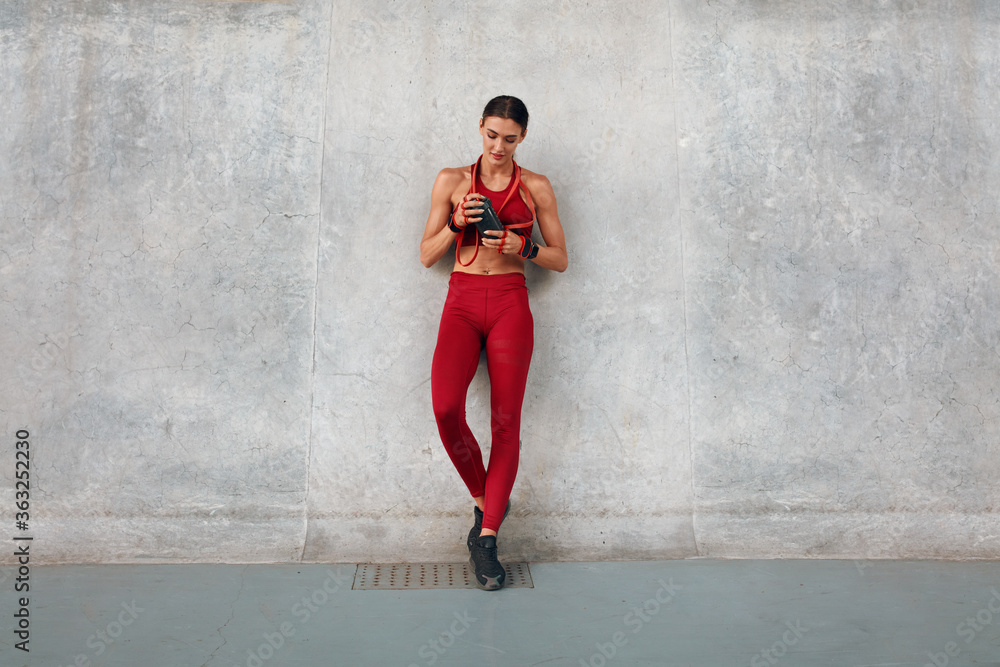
[(404, 576)]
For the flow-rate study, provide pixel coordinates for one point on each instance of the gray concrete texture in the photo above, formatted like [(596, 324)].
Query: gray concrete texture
[(774, 338)]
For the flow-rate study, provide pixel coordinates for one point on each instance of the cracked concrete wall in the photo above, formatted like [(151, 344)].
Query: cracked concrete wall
[(774, 337), (160, 213), (839, 198)]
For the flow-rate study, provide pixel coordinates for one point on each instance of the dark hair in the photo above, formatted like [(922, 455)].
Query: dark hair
[(506, 106)]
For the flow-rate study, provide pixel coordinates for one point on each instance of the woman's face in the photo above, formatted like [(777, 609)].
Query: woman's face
[(500, 137)]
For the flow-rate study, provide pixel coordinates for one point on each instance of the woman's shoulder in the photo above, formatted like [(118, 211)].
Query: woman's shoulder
[(453, 175), (451, 180), (536, 183), (530, 178)]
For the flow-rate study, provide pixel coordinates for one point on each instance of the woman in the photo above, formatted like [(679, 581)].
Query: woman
[(487, 306)]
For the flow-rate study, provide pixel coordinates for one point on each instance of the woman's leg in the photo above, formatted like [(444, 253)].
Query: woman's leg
[(509, 343), (456, 358)]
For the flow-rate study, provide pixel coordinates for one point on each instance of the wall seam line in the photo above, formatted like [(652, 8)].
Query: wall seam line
[(684, 285), (319, 245)]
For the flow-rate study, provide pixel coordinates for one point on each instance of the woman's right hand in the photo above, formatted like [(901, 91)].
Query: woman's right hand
[(470, 210)]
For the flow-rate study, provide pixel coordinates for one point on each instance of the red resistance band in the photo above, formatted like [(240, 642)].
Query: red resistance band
[(518, 185)]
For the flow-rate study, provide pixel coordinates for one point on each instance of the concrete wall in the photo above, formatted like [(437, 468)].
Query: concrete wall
[(776, 337)]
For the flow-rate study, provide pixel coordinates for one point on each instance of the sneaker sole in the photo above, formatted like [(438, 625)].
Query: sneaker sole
[(492, 583)]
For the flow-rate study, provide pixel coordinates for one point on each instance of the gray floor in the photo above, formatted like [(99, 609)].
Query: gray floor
[(690, 612)]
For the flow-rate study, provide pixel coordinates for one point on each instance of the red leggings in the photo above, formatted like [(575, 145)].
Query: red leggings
[(490, 311)]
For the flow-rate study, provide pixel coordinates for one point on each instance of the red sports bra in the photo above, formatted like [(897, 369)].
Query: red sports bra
[(514, 213)]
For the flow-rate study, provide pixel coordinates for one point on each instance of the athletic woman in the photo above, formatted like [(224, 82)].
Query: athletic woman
[(487, 306)]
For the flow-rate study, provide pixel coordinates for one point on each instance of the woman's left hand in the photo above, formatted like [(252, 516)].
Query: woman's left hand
[(505, 243)]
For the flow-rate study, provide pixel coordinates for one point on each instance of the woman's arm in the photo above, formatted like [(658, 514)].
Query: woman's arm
[(553, 254), (437, 237)]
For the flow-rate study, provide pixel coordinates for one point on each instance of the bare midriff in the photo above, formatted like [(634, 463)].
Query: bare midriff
[(488, 262)]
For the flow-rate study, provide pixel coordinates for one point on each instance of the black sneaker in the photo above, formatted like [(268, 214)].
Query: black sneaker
[(478, 527), (488, 571)]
